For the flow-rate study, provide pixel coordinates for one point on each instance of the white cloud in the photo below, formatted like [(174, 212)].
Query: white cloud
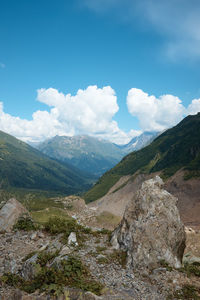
[(90, 111), (176, 20), (43, 125), (194, 107), (157, 114)]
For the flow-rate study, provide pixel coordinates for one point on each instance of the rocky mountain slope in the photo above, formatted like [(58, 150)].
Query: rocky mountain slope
[(177, 148), (62, 259), (23, 167), (92, 154), (84, 152), (139, 142)]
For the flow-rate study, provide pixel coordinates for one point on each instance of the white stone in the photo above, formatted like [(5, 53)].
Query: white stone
[(72, 240)]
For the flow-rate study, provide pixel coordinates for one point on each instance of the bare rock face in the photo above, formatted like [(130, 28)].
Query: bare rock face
[(151, 230), (10, 213)]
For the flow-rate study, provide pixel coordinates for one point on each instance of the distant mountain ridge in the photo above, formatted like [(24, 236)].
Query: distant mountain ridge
[(24, 167), (91, 154), (84, 152), (175, 149), (140, 141)]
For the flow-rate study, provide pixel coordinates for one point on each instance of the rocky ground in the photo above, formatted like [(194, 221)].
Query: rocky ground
[(105, 267), (27, 253)]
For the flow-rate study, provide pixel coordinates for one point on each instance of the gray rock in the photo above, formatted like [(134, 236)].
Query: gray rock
[(30, 268), (72, 239), (64, 251), (10, 213), (57, 262), (34, 236), (191, 259), (151, 229)]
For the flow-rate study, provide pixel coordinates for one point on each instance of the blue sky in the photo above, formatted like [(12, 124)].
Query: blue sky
[(141, 49)]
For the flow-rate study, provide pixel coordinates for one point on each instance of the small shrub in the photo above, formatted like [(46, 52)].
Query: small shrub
[(71, 272), (57, 225), (44, 257), (165, 264), (25, 223), (191, 269)]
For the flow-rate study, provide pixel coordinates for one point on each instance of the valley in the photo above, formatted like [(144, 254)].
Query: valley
[(60, 200)]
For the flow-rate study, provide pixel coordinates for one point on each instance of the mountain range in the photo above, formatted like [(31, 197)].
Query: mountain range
[(91, 154), (24, 167)]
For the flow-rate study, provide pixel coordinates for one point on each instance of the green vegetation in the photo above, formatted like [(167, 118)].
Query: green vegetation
[(23, 167), (42, 216), (165, 264), (71, 273), (191, 269), (108, 219), (25, 223), (188, 292), (56, 225), (175, 149), (45, 256)]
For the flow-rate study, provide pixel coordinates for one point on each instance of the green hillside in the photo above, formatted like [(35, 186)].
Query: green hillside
[(84, 152), (176, 148), (23, 167)]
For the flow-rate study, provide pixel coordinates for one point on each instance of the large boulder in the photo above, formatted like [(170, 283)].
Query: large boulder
[(10, 213), (151, 230)]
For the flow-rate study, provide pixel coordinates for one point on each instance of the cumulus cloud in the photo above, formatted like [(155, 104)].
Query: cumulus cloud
[(176, 20), (194, 107), (157, 114), (90, 111)]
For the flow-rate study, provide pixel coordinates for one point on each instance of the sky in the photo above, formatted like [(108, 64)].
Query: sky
[(107, 68)]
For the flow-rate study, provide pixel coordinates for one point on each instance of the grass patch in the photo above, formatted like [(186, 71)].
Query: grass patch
[(106, 218), (43, 216)]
